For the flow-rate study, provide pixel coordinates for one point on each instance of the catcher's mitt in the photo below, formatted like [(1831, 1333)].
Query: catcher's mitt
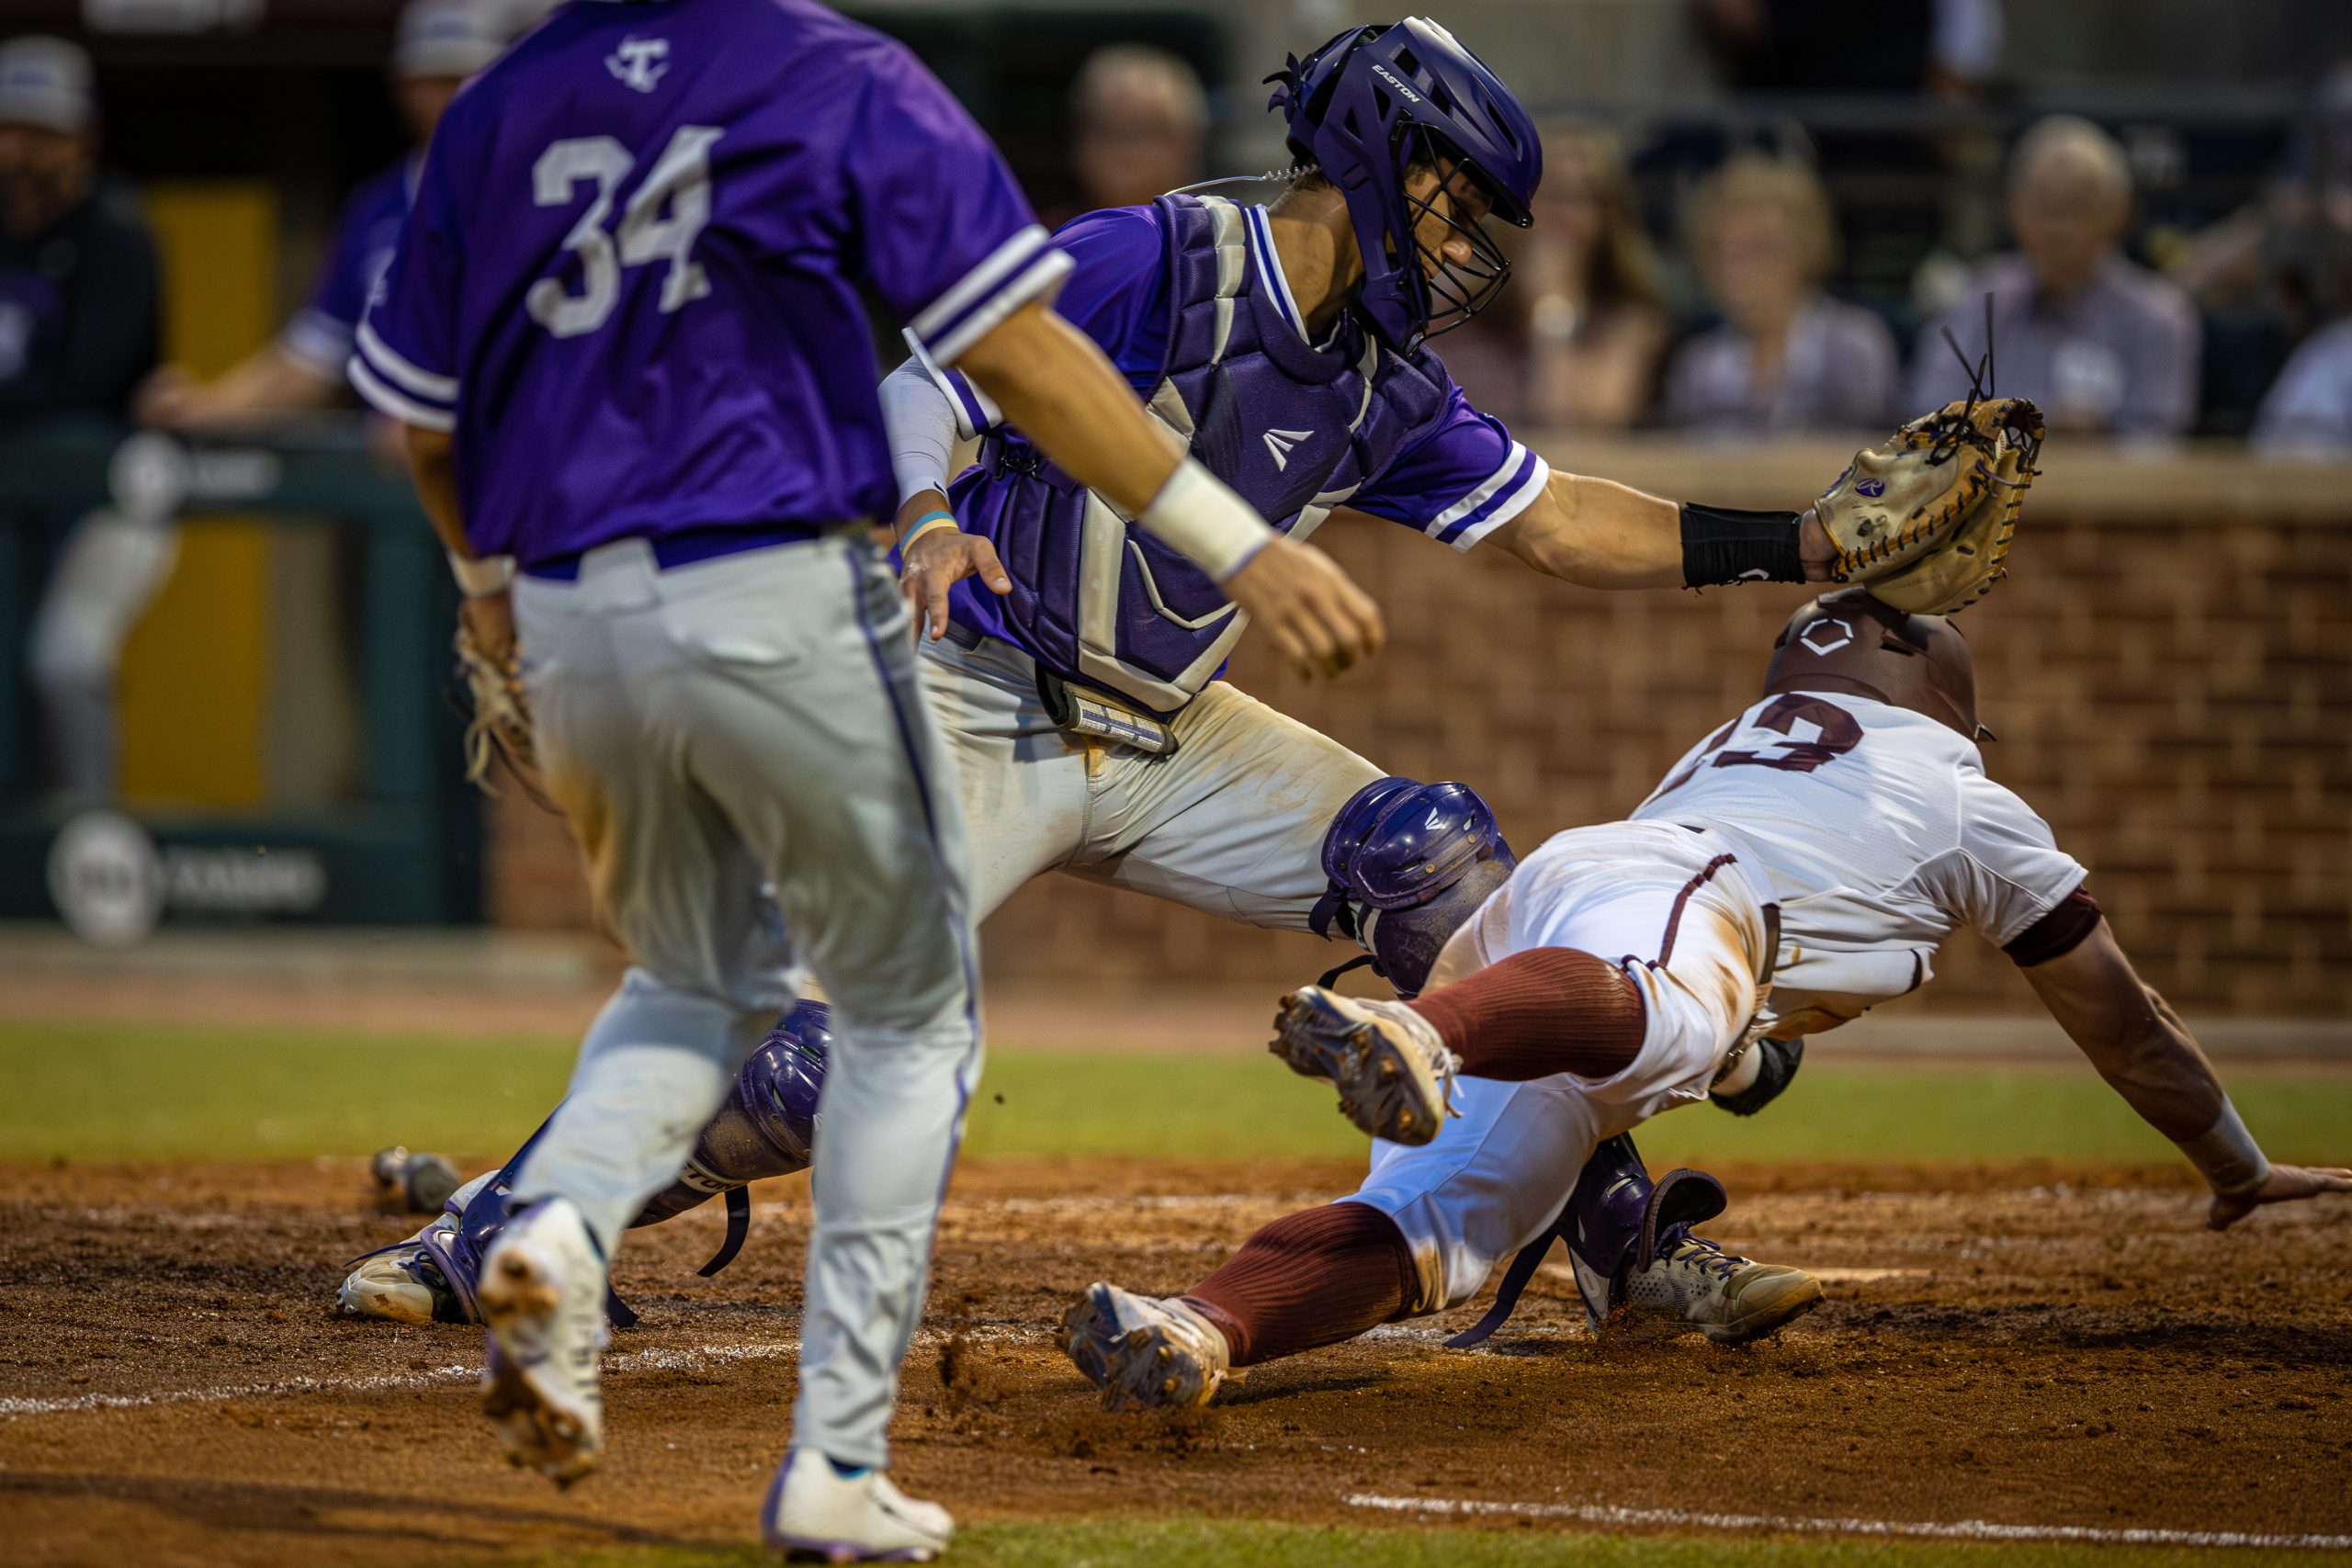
[(1925, 523), (499, 720)]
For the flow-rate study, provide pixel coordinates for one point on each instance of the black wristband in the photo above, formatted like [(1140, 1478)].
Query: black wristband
[(1777, 1061), (1721, 545)]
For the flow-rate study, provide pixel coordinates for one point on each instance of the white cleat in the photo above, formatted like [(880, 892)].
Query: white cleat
[(815, 1514), (1730, 1299), (542, 1293), (401, 1284), (1145, 1352), (1393, 1075)]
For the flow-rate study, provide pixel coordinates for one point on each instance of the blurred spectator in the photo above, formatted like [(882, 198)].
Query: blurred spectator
[(2101, 344), (78, 326), (78, 302), (1787, 357), (2307, 413), (1140, 126), (1576, 345), (440, 43), (2289, 253)]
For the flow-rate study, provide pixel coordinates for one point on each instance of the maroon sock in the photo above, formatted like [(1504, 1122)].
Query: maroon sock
[(1548, 1010), (1309, 1279)]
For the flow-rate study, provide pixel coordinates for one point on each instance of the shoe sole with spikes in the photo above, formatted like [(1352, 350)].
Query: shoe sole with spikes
[(539, 1383), (1387, 1086), (1134, 1355)]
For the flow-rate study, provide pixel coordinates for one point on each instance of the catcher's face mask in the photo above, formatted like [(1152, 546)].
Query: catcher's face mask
[(1848, 641)]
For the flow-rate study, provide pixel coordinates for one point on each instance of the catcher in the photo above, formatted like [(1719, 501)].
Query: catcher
[(1799, 865)]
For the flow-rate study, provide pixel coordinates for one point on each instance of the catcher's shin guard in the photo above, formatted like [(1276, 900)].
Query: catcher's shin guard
[(767, 1127), (1407, 863), (1616, 1222)]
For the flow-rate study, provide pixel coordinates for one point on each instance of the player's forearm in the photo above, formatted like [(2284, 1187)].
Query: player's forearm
[(921, 426), (1597, 534), (270, 382), (2142, 1050), (432, 464), (1600, 533)]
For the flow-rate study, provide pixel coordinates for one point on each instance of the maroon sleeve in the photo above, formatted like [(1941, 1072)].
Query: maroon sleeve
[(2058, 932)]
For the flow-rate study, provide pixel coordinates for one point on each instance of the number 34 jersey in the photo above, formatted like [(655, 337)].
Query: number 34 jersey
[(1877, 835), (631, 280)]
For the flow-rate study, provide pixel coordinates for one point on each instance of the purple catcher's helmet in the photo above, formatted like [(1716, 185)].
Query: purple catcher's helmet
[(1376, 99)]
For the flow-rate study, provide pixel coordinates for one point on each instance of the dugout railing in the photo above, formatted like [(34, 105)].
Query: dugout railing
[(402, 842)]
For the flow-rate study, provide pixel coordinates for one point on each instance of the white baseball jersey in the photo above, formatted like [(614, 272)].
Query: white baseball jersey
[(1877, 835)]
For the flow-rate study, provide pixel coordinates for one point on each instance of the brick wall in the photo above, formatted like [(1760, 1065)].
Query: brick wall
[(2170, 673)]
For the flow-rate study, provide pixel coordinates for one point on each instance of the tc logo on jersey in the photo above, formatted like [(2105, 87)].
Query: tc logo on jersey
[(639, 62), (1280, 442)]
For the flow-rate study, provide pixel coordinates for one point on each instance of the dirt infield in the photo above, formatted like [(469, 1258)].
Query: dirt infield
[(2024, 1346)]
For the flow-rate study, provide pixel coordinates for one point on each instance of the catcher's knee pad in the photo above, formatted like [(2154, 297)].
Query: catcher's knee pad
[(767, 1127), (1407, 863)]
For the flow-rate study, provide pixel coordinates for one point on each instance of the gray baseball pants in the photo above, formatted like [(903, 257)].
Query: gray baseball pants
[(752, 721)]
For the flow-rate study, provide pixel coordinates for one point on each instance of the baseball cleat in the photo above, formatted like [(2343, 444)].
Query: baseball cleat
[(542, 1293), (1393, 1075), (1731, 1299), (813, 1513), (429, 1278), (1145, 1352), (403, 1283)]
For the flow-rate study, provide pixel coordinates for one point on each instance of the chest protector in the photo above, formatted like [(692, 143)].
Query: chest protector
[(1296, 430)]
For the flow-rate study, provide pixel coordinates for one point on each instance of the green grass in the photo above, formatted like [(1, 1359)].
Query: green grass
[(107, 1092), (1218, 1543)]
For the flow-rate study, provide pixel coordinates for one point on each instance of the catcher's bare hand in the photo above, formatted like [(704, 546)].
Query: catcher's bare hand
[(939, 560), (2285, 1184), (1319, 620)]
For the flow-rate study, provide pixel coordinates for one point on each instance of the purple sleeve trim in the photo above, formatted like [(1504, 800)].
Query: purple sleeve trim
[(1503, 496)]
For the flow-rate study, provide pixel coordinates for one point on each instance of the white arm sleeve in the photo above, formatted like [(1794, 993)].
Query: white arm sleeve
[(921, 426)]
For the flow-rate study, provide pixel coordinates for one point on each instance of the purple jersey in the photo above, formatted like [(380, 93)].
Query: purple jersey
[(630, 283), (1187, 297), (321, 336)]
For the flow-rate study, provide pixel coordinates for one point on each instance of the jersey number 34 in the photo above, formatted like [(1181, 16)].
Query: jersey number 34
[(680, 182)]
